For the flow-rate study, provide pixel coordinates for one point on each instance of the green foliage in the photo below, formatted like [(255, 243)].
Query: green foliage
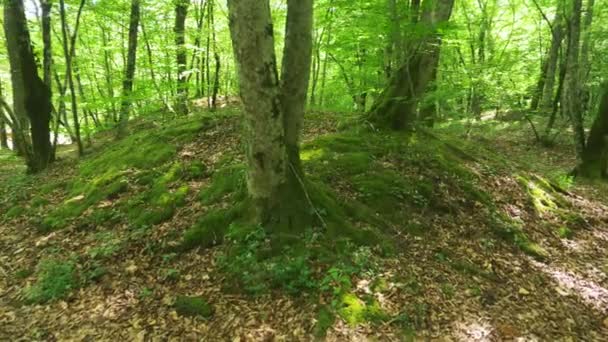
[(325, 320), (193, 307), (249, 265), (15, 212), (108, 246), (54, 280), (226, 181)]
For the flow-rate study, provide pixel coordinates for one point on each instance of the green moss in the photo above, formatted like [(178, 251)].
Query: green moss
[(210, 228), (513, 232), (193, 306), (356, 311), (55, 279), (226, 181), (565, 232), (104, 187), (15, 212), (325, 319), (38, 202)]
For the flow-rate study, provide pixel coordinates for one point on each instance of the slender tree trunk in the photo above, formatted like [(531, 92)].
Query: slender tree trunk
[(86, 111), (159, 92), (127, 84), (181, 11), (585, 50), (273, 109), (108, 73), (68, 48), (3, 124), (216, 57), (571, 102), (208, 56), (28, 87), (595, 156), (546, 102)]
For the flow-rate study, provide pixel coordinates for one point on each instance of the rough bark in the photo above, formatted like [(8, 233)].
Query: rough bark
[(274, 183), (181, 11), (29, 91), (396, 106), (571, 102), (595, 156), (127, 84)]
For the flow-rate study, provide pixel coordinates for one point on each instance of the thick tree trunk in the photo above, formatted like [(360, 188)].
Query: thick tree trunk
[(571, 102), (396, 107), (274, 179), (29, 91), (127, 84), (181, 11), (595, 156)]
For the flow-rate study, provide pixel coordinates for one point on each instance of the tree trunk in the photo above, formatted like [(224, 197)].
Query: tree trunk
[(273, 110), (181, 11), (3, 135), (127, 84), (546, 102), (108, 73), (571, 102), (396, 106), (595, 156), (68, 48), (29, 91), (3, 124), (585, 50)]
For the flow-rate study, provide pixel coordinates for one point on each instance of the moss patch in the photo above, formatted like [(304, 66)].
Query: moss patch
[(193, 307)]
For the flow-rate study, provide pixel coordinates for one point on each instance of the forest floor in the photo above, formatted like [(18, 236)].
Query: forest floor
[(452, 236)]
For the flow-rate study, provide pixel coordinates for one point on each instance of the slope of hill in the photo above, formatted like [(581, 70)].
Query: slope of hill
[(420, 235)]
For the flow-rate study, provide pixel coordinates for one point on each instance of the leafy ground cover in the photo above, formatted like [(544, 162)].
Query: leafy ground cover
[(432, 234)]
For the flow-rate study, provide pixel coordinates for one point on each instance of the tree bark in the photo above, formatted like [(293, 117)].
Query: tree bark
[(546, 102), (595, 155), (127, 84), (396, 106), (273, 109), (571, 102), (29, 91), (3, 124), (68, 50), (181, 11)]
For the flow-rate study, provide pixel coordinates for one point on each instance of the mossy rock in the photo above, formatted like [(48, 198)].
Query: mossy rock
[(193, 307)]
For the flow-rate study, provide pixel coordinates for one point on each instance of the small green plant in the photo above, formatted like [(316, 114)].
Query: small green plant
[(55, 279), (171, 275), (145, 293)]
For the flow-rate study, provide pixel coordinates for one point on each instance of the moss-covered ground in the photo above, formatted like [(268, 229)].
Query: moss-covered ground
[(150, 236)]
